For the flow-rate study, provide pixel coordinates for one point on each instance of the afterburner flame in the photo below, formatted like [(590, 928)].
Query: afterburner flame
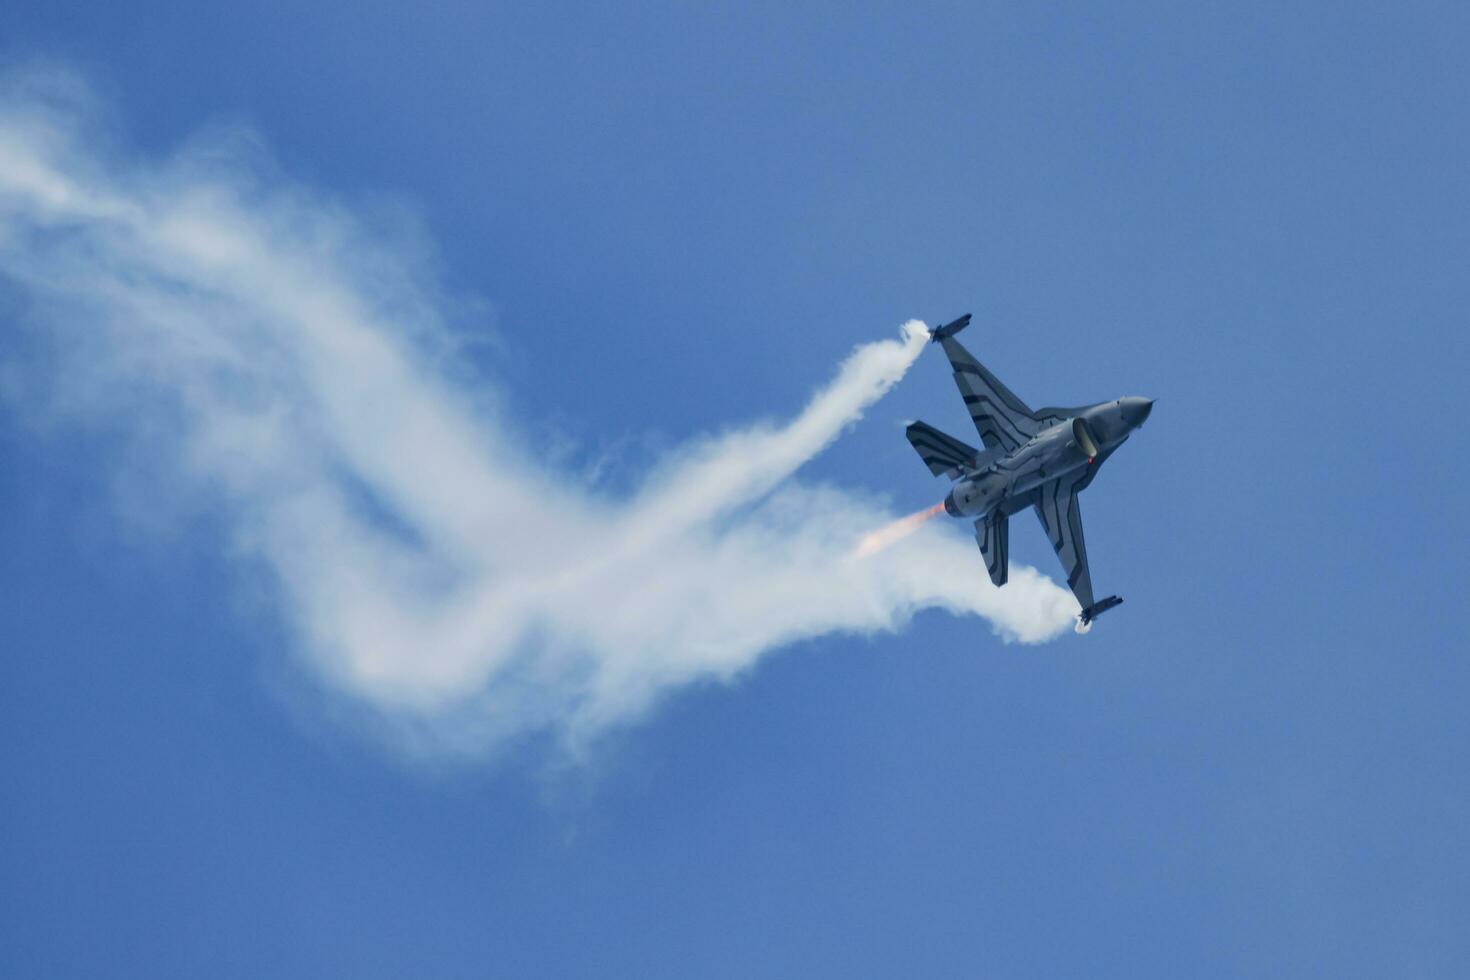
[(883, 537)]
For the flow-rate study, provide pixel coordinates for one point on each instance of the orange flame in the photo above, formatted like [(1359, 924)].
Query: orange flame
[(876, 541)]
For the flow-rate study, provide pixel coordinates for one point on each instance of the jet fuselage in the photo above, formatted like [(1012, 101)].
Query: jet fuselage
[(1002, 483), (1037, 458)]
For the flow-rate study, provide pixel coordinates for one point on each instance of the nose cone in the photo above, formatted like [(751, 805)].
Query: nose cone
[(1135, 410)]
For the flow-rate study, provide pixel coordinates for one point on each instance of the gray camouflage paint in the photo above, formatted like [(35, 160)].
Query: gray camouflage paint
[(1041, 459)]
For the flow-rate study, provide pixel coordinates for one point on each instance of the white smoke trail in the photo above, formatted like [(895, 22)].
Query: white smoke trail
[(427, 566)]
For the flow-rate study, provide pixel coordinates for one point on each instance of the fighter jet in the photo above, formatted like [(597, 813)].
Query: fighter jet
[(1041, 458)]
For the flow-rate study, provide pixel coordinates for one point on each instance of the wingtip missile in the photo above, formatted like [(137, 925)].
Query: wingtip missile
[(1085, 618), (949, 329)]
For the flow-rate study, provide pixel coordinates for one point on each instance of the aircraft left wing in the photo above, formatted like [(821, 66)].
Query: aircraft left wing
[(1061, 516)]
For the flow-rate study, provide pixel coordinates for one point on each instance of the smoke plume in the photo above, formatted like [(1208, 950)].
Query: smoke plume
[(287, 365)]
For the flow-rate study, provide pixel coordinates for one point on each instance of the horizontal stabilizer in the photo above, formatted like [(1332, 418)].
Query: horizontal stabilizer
[(943, 454), (993, 534)]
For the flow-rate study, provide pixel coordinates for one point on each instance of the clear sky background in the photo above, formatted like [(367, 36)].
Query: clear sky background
[(676, 218)]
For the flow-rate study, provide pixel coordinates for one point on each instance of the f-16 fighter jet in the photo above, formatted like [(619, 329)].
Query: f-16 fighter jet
[(1040, 458)]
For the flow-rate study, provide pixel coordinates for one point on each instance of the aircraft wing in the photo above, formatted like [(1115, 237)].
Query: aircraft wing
[(1002, 419), (1058, 507)]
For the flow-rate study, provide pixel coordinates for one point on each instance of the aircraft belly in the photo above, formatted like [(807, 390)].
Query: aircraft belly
[(1045, 469)]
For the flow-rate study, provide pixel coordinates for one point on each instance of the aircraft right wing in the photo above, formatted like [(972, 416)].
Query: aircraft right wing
[(1002, 419)]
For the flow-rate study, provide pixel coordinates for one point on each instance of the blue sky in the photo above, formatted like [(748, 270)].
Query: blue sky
[(651, 223)]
